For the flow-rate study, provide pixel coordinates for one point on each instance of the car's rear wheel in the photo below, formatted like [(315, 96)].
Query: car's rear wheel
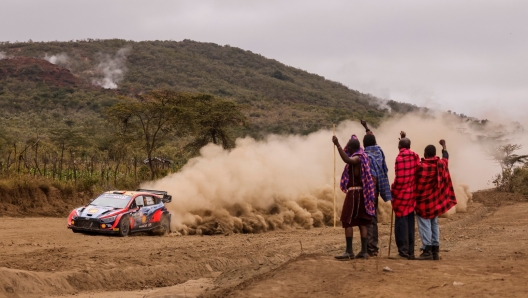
[(164, 227), (124, 226)]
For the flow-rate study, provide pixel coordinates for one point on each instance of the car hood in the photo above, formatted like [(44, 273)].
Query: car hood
[(92, 211)]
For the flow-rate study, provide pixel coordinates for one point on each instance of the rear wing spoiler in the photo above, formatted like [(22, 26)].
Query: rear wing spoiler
[(165, 197)]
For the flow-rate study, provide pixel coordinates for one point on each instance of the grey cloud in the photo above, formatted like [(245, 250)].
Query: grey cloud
[(458, 55)]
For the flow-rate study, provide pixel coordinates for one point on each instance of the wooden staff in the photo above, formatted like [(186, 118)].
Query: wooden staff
[(335, 212), (390, 232)]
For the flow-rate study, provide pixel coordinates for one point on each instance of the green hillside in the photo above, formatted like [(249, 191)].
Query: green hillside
[(277, 98), (62, 127)]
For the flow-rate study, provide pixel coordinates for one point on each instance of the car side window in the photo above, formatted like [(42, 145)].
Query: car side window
[(139, 201), (149, 201)]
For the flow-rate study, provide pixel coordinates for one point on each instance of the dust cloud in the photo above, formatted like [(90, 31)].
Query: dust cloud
[(113, 68), (287, 182), (3, 55)]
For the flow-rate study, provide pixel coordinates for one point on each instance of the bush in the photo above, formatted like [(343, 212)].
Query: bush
[(45, 187), (88, 184)]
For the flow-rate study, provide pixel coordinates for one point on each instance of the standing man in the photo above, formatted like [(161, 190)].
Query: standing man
[(403, 201), (434, 196), (379, 172), (358, 208)]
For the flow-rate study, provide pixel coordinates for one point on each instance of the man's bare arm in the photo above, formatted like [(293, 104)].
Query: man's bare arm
[(445, 154), (367, 129), (403, 134), (349, 160)]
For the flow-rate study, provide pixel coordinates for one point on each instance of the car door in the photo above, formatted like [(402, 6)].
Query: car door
[(136, 215), (148, 210)]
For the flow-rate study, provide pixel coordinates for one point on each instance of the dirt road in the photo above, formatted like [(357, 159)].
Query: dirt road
[(484, 253), (488, 259)]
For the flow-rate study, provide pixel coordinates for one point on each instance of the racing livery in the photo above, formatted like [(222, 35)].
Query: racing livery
[(123, 212)]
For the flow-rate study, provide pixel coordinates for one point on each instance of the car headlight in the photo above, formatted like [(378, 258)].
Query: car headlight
[(109, 219), (73, 217)]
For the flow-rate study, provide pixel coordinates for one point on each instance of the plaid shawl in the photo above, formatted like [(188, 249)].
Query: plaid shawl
[(366, 179), (403, 201), (378, 169), (434, 189)]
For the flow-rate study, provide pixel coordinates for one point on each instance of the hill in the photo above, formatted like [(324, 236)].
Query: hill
[(54, 98), (276, 97), (39, 99)]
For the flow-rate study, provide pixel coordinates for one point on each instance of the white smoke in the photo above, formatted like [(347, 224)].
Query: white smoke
[(380, 103), (287, 181), (113, 68), (59, 59), (3, 55)]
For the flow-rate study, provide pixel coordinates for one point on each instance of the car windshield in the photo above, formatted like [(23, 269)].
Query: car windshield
[(111, 200)]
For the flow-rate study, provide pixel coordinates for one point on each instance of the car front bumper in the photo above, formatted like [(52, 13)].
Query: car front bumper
[(92, 226), (102, 231)]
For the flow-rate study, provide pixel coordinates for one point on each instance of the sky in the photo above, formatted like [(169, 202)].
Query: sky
[(466, 56)]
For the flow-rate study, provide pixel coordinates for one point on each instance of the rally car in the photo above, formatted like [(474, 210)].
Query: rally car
[(123, 212)]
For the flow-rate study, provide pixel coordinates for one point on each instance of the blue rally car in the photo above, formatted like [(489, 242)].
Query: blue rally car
[(124, 212)]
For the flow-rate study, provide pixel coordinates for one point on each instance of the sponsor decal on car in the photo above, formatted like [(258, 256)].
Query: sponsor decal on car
[(116, 229), (93, 210), (116, 196)]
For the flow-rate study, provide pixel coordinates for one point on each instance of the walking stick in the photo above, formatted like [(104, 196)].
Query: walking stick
[(334, 181), (390, 233)]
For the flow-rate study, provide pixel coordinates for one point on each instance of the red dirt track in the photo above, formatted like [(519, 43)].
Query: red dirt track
[(484, 251)]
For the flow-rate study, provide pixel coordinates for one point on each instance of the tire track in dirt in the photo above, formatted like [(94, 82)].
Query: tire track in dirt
[(137, 277), (487, 258), (475, 214), (48, 259)]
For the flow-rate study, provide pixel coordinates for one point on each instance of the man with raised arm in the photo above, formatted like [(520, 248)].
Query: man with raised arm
[(379, 172), (358, 208), (434, 196), (403, 201)]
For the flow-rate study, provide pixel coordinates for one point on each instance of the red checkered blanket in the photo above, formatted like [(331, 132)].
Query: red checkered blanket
[(404, 182), (434, 192)]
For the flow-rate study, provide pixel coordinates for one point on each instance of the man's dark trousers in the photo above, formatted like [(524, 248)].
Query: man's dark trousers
[(404, 234), (372, 231)]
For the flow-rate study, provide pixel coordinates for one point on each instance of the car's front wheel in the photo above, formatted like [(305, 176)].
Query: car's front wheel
[(124, 226)]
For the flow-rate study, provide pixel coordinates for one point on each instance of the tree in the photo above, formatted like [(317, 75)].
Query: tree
[(66, 138), (155, 116), (507, 159), (214, 118)]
